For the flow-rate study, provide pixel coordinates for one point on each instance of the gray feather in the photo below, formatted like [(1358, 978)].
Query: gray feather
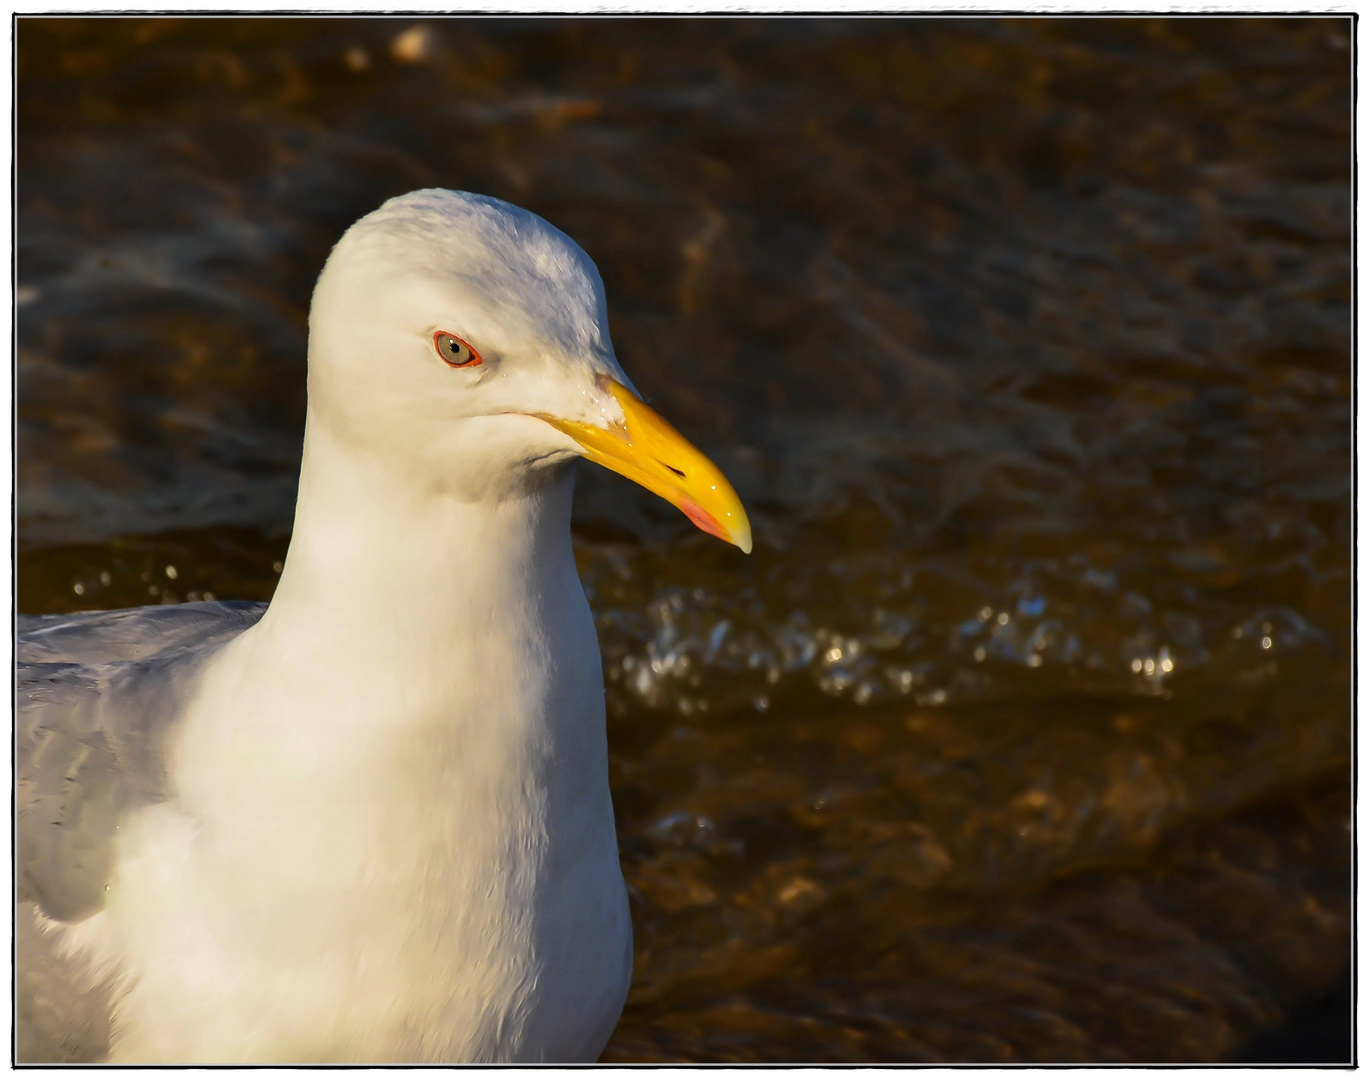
[(96, 694)]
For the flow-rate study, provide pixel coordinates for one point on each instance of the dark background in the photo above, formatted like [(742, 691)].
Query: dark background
[(1024, 735)]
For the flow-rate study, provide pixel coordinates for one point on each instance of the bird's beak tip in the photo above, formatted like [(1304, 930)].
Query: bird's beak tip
[(733, 531)]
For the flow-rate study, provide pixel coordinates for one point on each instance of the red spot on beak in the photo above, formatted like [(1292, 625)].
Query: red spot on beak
[(703, 519)]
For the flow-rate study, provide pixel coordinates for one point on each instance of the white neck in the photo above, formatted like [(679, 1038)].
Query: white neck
[(383, 568), (414, 628)]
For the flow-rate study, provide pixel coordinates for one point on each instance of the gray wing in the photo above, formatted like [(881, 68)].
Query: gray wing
[(96, 694), (102, 637)]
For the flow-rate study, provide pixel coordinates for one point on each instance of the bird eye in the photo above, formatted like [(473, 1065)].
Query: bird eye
[(455, 351)]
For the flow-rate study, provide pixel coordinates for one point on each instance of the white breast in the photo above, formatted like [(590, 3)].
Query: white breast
[(361, 867)]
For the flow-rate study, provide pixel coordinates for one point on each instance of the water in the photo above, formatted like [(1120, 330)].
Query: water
[(1024, 734)]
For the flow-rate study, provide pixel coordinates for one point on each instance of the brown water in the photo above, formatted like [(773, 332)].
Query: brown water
[(1025, 733)]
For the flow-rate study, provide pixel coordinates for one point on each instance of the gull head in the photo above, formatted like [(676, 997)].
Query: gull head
[(465, 341)]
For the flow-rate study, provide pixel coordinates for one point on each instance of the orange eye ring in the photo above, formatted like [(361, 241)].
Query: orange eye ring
[(454, 352)]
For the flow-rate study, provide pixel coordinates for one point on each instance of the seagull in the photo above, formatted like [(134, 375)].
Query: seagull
[(370, 821)]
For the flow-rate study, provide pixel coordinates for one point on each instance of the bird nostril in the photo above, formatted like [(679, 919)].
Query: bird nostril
[(677, 472)]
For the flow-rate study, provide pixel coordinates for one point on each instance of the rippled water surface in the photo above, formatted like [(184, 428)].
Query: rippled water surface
[(1024, 734)]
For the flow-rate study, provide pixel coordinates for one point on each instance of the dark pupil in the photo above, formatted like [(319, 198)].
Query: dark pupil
[(454, 347)]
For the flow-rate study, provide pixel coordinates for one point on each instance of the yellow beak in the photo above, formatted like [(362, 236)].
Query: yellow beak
[(649, 451)]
